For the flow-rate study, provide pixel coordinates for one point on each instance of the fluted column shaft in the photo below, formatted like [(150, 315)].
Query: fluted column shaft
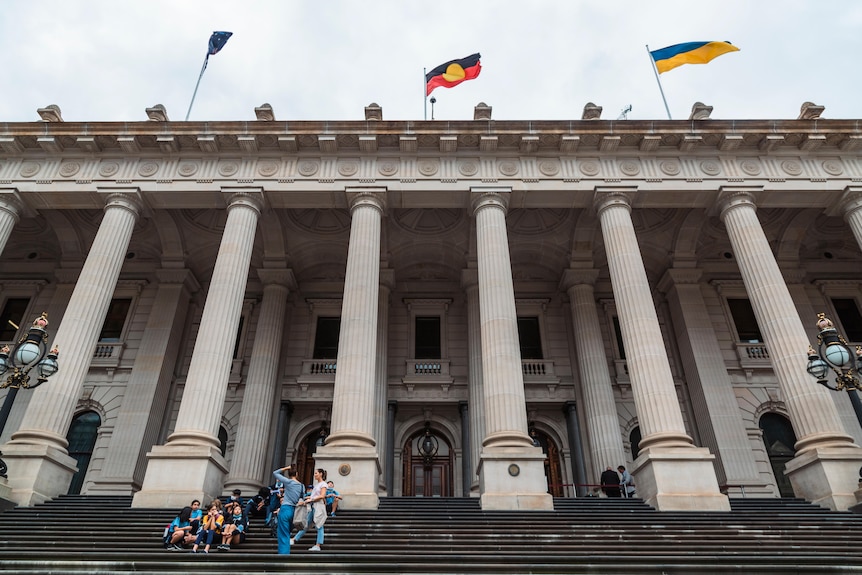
[(353, 406), (812, 411), (853, 214), (470, 281), (600, 408), (381, 388), (10, 214), (206, 384), (248, 467), (51, 408), (505, 403), (657, 405), (147, 392)]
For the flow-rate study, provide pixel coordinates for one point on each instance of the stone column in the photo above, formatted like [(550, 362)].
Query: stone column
[(146, 397), (248, 467), (282, 431), (511, 469), (11, 208), (600, 406), (351, 446), (391, 411), (381, 389), (192, 451), (671, 473), (717, 413), (827, 461), (39, 465), (573, 428), (466, 465), (470, 283), (852, 208)]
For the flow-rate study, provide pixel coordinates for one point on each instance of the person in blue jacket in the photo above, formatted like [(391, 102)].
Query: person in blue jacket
[(293, 491)]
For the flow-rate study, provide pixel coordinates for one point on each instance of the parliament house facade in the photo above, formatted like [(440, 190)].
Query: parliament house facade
[(480, 308)]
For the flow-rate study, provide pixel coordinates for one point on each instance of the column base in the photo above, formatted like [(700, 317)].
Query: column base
[(113, 486), (513, 478), (678, 479), (177, 474), (37, 473), (826, 476), (355, 472)]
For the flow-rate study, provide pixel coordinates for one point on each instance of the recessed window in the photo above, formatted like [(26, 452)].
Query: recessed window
[(13, 313), (115, 320), (326, 337), (618, 334), (427, 337), (743, 318), (530, 338), (850, 318)]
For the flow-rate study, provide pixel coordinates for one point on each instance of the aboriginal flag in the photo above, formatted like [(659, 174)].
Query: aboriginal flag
[(453, 73)]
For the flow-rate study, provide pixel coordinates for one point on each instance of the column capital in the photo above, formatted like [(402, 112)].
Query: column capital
[(126, 198), (283, 277), (250, 197), (370, 197), (613, 196), (178, 276), (677, 276), (851, 201), (387, 278), (575, 277), (730, 197), (11, 202), (469, 278), (489, 196)]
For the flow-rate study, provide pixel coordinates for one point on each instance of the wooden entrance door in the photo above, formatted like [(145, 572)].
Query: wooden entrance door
[(427, 466)]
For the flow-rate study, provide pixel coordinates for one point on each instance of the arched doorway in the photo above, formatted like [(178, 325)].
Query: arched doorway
[(779, 439), (305, 455), (553, 470), (428, 463), (82, 439), (635, 442)]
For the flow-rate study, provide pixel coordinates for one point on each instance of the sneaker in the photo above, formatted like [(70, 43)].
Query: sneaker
[(175, 547), (194, 550), (292, 541), (225, 547), (332, 514), (315, 548)]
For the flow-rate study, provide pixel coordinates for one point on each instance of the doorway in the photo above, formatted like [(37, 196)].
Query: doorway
[(780, 441), (553, 470), (428, 464)]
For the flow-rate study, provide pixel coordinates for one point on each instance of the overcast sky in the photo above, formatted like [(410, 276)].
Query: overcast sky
[(108, 60)]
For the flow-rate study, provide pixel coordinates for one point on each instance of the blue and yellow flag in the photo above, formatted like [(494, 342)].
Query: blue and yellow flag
[(689, 53)]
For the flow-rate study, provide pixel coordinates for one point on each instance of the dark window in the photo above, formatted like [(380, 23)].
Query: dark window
[(13, 313), (238, 337), (618, 334), (222, 439), (744, 320), (112, 329), (82, 439), (635, 441), (528, 335), (427, 338), (326, 338), (851, 320)]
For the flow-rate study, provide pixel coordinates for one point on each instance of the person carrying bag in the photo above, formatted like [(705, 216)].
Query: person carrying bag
[(293, 492)]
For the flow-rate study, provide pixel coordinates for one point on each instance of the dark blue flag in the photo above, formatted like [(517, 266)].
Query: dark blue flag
[(217, 42)]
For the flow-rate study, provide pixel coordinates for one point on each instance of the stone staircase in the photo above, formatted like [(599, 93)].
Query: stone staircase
[(96, 534)]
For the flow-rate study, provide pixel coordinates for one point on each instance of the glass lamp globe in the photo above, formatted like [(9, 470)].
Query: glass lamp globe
[(26, 353), (837, 355), (47, 367), (817, 368)]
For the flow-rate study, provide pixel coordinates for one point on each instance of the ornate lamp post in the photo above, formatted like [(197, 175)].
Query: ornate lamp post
[(30, 352), (833, 352)]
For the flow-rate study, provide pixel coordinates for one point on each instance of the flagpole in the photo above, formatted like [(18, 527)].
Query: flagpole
[(424, 89), (657, 79), (192, 103)]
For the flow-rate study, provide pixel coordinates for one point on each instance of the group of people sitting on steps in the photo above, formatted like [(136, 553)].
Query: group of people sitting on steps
[(226, 524)]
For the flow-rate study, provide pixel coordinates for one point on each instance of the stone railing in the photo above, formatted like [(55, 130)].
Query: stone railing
[(107, 353), (432, 367), (537, 367), (753, 355), (319, 367)]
